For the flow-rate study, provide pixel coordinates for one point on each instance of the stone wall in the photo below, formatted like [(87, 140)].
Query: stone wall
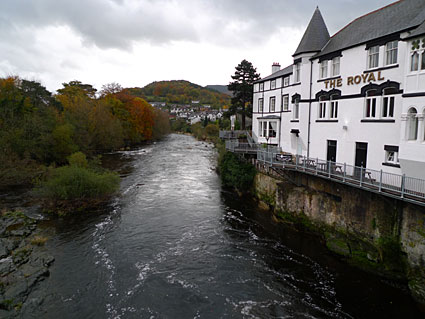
[(376, 233)]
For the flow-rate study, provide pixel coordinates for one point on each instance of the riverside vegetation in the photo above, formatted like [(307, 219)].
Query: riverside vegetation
[(46, 138)]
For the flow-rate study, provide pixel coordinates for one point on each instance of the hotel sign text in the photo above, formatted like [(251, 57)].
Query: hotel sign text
[(354, 80)]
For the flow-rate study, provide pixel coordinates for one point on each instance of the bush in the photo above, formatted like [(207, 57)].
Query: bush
[(235, 173), (78, 159), (78, 183), (212, 130)]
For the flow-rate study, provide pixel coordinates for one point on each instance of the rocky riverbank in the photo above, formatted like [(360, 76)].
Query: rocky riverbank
[(24, 262)]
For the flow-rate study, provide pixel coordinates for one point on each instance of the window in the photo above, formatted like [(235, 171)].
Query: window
[(286, 81), (414, 61), (324, 69), (373, 57), (417, 57), (272, 129), (388, 102), (296, 109), (370, 110), (391, 157), (423, 61), (260, 105), (272, 84), (298, 72), (272, 104), (261, 86), (285, 102), (412, 124), (335, 66), (267, 129), (391, 50), (334, 107), (322, 107)]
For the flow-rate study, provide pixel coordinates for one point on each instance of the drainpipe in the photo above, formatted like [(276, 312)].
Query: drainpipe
[(309, 109)]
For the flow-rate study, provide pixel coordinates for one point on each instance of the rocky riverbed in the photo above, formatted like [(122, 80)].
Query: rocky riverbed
[(24, 262)]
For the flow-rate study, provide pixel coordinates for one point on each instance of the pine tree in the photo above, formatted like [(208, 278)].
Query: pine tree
[(242, 88)]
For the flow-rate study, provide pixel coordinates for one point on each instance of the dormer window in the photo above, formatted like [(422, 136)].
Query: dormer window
[(373, 57), (335, 66), (391, 51), (324, 69)]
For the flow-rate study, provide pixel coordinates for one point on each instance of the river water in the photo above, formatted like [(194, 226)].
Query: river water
[(174, 244)]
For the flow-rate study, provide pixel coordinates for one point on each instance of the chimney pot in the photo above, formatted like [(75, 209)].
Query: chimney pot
[(275, 67)]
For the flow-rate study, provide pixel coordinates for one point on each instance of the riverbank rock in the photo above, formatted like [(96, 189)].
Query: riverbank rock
[(23, 262)]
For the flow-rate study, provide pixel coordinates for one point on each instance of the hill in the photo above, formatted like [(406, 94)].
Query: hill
[(181, 92), (219, 88)]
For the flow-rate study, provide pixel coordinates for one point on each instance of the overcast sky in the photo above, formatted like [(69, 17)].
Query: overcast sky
[(135, 42)]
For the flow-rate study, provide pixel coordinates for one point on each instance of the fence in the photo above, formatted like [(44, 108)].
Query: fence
[(231, 134), (393, 185)]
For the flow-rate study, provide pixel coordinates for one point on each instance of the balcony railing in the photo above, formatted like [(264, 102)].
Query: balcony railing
[(393, 185), (231, 134)]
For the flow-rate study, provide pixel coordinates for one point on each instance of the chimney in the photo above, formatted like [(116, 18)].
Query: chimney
[(275, 67)]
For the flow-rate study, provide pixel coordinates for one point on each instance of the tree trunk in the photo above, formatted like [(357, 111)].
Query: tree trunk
[(243, 121)]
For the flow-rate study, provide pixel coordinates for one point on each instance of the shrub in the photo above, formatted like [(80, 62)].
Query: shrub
[(78, 159), (235, 173), (211, 130), (78, 183)]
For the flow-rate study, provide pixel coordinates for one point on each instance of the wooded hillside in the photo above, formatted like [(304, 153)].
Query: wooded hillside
[(181, 92)]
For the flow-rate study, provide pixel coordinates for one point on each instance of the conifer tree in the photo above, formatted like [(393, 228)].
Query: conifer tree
[(242, 88)]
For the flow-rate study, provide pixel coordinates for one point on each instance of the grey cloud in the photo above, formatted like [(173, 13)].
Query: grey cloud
[(119, 23)]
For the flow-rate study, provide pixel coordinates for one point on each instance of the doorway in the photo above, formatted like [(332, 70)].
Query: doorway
[(331, 155), (361, 154)]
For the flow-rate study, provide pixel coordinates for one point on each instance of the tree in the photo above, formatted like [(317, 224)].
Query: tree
[(242, 88)]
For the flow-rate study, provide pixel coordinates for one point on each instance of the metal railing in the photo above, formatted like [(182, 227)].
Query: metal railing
[(394, 185), (239, 147), (231, 134)]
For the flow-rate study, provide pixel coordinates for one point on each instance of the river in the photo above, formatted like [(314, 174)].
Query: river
[(174, 244)]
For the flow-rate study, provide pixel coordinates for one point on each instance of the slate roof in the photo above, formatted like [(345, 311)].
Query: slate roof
[(394, 18), (315, 36), (417, 32), (282, 72)]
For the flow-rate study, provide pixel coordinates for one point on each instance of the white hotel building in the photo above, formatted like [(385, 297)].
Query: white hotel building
[(357, 97)]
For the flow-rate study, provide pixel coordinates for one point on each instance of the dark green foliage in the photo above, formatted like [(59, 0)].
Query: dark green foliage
[(242, 88), (78, 183), (235, 173)]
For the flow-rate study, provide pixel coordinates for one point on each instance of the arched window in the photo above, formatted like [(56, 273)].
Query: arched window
[(412, 124), (388, 102), (370, 110), (334, 107), (414, 61)]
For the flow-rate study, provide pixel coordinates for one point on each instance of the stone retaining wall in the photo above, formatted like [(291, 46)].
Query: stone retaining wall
[(376, 233)]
